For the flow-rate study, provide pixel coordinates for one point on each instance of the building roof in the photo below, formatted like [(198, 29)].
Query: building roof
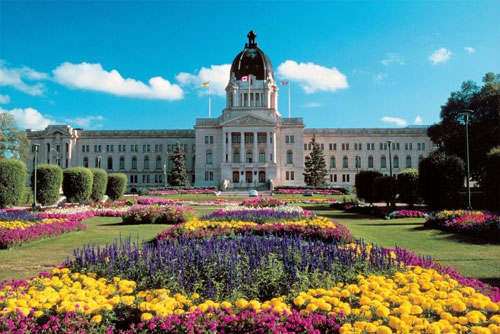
[(252, 60)]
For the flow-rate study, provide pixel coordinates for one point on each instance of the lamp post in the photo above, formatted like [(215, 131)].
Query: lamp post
[(389, 142), (466, 113), (35, 163)]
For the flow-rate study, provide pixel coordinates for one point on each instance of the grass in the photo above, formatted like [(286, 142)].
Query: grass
[(472, 257)]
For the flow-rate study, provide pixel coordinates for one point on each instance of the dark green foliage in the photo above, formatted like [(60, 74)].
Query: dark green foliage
[(491, 184), (117, 182), (315, 166), (13, 142), (99, 184), (178, 176), (440, 180), (384, 188), (12, 182), (27, 196), (364, 185), (77, 184), (484, 123), (48, 184), (408, 186)]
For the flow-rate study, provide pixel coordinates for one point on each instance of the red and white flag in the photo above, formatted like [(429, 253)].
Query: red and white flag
[(245, 78), (284, 83)]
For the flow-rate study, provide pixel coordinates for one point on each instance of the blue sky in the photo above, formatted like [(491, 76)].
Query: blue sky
[(139, 65)]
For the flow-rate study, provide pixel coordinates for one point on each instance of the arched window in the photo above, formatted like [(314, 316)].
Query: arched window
[(395, 161), (208, 158), (122, 163), (86, 162), (146, 162), (236, 177), (236, 157), (110, 163), (408, 161), (289, 157), (358, 161), (158, 162), (345, 162), (333, 163), (262, 176), (262, 157), (249, 157), (134, 162), (383, 162), (370, 161)]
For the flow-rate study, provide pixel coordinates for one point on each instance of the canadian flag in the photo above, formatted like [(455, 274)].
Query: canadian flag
[(245, 78)]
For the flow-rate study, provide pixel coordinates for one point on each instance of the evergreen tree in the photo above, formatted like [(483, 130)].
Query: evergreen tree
[(315, 166), (13, 142), (178, 174)]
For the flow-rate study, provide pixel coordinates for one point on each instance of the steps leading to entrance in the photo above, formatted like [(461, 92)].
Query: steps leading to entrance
[(241, 193)]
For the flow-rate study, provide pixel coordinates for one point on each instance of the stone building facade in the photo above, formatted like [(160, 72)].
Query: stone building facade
[(248, 146)]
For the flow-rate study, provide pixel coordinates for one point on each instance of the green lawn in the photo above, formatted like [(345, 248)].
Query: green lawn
[(473, 257)]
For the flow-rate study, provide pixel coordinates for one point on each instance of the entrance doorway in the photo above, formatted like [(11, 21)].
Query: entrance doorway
[(236, 177), (248, 176), (262, 177)]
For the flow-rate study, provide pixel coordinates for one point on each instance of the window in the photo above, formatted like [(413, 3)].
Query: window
[(418, 146), (292, 139), (236, 156), (383, 162), (370, 161), (334, 177), (134, 162), (86, 162), (206, 139), (333, 163), (209, 175), (305, 147), (146, 162), (330, 147), (110, 163), (289, 157), (358, 161), (122, 163), (208, 159), (287, 175), (423, 146), (262, 157), (262, 176), (236, 177), (287, 139), (261, 138), (345, 162), (158, 162), (396, 161), (322, 146), (249, 157), (292, 175), (408, 161)]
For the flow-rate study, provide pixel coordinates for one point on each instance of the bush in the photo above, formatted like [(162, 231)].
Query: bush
[(100, 181), (77, 184), (384, 188), (408, 186), (12, 182), (364, 185), (27, 196), (491, 183), (117, 182), (440, 179), (48, 184)]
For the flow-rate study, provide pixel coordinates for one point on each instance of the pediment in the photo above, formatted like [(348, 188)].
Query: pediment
[(248, 120)]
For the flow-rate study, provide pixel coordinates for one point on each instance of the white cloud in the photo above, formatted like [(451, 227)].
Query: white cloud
[(397, 121), (217, 75), (29, 118), (312, 77), (392, 58), (94, 77), (15, 77), (379, 77), (441, 55), (4, 99), (85, 122), (418, 120), (469, 49), (312, 105)]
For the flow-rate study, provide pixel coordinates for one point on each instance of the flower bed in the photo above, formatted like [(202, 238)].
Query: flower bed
[(158, 214), (301, 191), (406, 214), (262, 202), (476, 223), (197, 191), (260, 215)]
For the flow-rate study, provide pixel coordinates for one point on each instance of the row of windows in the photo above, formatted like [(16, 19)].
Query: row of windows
[(383, 162), (249, 176), (248, 157), (289, 139), (146, 164), (249, 137), (368, 146), (209, 139), (345, 178), (146, 179), (135, 147), (290, 175)]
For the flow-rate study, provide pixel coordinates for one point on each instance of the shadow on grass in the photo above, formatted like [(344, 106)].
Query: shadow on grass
[(493, 281), (394, 224), (459, 237), (131, 224)]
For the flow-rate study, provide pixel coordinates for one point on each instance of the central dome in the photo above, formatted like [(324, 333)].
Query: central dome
[(252, 60)]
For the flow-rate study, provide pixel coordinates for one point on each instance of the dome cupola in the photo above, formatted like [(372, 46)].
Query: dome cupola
[(252, 60)]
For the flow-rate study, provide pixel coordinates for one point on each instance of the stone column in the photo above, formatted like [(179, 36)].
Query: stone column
[(242, 147), (224, 134), (255, 148), (229, 148), (274, 147)]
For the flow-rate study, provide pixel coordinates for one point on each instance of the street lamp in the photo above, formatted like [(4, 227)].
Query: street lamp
[(466, 113), (389, 142), (35, 163)]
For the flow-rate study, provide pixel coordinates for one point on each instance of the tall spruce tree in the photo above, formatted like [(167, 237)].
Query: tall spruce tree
[(315, 166), (178, 175)]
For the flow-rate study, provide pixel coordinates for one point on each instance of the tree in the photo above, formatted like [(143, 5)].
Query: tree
[(384, 188), (484, 123), (315, 166), (178, 174), (408, 186), (364, 185), (491, 183), (13, 142)]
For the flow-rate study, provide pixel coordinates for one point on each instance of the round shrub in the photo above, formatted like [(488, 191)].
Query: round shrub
[(27, 196), (364, 185), (408, 186), (12, 182), (77, 184), (100, 181), (384, 187), (48, 184), (117, 182), (440, 178), (491, 182)]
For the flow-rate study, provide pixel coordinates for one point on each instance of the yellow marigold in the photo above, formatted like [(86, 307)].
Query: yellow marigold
[(384, 330), (241, 303), (96, 318), (146, 316)]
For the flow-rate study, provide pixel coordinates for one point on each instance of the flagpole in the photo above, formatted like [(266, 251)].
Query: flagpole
[(289, 84), (209, 99)]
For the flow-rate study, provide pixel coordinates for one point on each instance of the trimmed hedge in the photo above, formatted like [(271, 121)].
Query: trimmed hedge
[(77, 184), (99, 185), (384, 187), (48, 184), (117, 182), (27, 196), (491, 183), (364, 185), (408, 186), (12, 182), (341, 189)]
